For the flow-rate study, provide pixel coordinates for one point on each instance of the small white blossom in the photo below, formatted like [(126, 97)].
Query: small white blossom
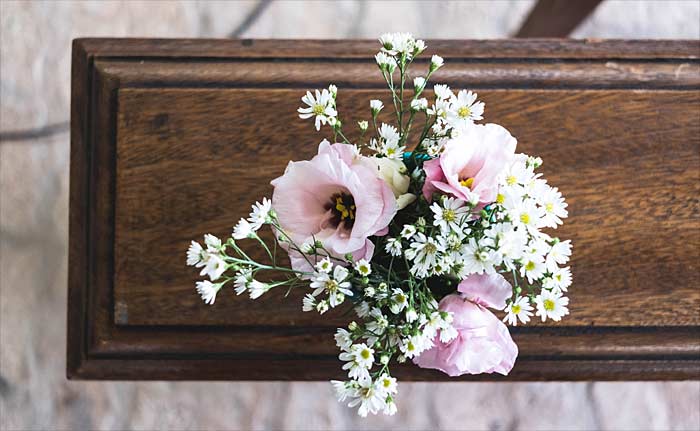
[(363, 267), (418, 82), (214, 267), (259, 215), (558, 255), (443, 92), (240, 284), (436, 62), (399, 301), (393, 246), (419, 104), (451, 215), (376, 106), (551, 305), (561, 278), (243, 229), (324, 265), (257, 288), (519, 309), (363, 125), (343, 339), (212, 242), (359, 358), (308, 303), (386, 62), (208, 290), (322, 106), (465, 109), (195, 254), (389, 134), (335, 286), (408, 231)]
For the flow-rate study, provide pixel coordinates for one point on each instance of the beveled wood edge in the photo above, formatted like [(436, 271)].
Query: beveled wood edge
[(359, 75), (92, 90), (327, 369), (364, 48)]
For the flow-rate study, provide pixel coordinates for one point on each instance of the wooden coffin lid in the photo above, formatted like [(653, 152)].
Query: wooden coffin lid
[(175, 138)]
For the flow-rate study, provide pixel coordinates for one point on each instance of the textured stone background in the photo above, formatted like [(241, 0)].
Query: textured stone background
[(34, 78)]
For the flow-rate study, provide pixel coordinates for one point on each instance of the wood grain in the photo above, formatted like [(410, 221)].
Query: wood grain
[(172, 139)]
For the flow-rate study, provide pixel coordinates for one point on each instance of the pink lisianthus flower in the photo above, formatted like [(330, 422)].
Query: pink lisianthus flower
[(333, 198), (483, 343), (470, 164)]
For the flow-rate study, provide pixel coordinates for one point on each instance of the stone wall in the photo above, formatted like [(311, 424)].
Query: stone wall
[(34, 90)]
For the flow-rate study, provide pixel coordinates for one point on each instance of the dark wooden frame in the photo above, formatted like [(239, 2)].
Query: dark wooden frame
[(97, 348)]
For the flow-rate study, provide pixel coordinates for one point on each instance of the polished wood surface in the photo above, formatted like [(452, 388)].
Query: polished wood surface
[(175, 138)]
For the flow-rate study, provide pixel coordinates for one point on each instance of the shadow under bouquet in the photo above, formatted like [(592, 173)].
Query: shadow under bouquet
[(423, 241)]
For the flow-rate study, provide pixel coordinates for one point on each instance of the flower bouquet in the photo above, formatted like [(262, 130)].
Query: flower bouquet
[(422, 241)]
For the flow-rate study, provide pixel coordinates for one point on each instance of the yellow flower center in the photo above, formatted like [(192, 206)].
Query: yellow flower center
[(516, 309), (525, 218), (530, 266), (365, 354), (548, 304), (467, 182), (463, 112), (549, 207), (500, 199), (511, 180), (319, 109), (448, 215), (386, 383), (331, 285)]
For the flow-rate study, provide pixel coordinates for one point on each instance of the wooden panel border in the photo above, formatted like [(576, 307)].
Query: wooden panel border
[(97, 349)]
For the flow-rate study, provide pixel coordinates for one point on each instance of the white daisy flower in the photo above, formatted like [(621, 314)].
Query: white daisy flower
[(243, 229), (551, 305), (411, 315), (418, 83), (322, 306), (359, 358), (369, 398), (335, 287), (450, 215), (424, 252), (389, 134), (240, 284), (308, 303), (400, 43), (554, 207), (325, 265), (477, 259), (399, 301), (214, 267), (363, 267), (465, 109), (386, 62), (392, 150), (379, 323), (208, 290), (408, 231), (419, 104), (376, 106), (532, 267), (195, 254), (259, 215), (343, 390), (387, 384), (436, 62), (528, 214), (558, 255), (393, 246), (321, 106), (519, 309), (363, 125), (343, 339), (212, 242), (519, 173), (561, 278), (443, 92), (257, 289)]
